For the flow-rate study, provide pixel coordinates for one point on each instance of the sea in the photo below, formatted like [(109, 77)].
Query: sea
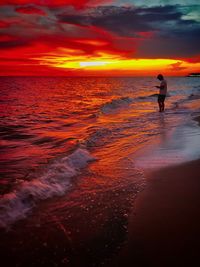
[(80, 146)]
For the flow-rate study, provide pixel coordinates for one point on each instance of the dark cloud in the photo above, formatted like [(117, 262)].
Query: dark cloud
[(13, 44), (170, 34), (171, 44), (119, 20), (75, 19), (158, 14), (140, 32), (125, 21), (177, 66)]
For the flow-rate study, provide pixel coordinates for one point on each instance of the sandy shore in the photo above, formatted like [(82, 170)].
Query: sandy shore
[(164, 229)]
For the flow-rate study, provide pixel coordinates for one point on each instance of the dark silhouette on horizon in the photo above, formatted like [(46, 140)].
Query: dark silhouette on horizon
[(194, 74)]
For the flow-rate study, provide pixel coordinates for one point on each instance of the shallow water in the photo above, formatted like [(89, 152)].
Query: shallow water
[(81, 136)]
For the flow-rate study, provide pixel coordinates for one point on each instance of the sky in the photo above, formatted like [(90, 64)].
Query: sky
[(99, 37)]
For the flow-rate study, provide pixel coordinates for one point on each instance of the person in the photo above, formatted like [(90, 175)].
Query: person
[(162, 92)]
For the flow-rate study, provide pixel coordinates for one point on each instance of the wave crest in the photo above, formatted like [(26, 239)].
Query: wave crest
[(54, 182), (116, 104)]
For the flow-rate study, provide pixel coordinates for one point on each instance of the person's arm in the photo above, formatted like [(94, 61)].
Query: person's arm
[(162, 86)]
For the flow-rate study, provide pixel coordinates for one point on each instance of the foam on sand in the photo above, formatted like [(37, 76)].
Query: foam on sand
[(179, 145)]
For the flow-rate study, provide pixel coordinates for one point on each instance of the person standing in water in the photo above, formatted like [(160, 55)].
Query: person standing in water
[(162, 92)]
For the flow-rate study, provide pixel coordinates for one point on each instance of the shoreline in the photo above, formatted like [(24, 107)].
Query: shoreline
[(163, 228)]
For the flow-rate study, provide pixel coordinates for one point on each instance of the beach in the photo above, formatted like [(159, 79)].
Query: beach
[(164, 226)]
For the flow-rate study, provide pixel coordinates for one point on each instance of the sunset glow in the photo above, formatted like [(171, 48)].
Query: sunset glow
[(97, 38), (106, 63)]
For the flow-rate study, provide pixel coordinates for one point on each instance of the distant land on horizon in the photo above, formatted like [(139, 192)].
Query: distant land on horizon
[(194, 74)]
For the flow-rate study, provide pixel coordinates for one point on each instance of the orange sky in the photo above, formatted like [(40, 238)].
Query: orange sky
[(70, 38)]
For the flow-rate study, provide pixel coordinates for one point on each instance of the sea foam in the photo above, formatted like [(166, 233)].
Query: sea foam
[(54, 181)]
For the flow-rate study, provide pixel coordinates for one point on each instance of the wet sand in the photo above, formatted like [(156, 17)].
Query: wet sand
[(164, 229), (85, 235)]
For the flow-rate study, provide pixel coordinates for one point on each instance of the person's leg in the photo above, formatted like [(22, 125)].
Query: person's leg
[(159, 103), (161, 100), (163, 105), (160, 106)]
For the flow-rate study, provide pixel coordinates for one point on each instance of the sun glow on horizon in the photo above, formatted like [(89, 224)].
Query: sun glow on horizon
[(93, 63), (71, 60)]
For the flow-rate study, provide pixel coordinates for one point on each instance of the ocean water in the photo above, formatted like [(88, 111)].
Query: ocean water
[(67, 141)]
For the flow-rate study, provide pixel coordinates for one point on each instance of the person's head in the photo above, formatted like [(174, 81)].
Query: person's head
[(160, 77)]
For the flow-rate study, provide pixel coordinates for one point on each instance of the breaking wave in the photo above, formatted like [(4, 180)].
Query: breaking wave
[(55, 181), (116, 104)]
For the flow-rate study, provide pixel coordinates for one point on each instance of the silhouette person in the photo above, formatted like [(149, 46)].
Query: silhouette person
[(162, 92)]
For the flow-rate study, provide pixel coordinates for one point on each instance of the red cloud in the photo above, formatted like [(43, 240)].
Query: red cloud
[(30, 10), (75, 3), (194, 60), (7, 38), (4, 24)]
